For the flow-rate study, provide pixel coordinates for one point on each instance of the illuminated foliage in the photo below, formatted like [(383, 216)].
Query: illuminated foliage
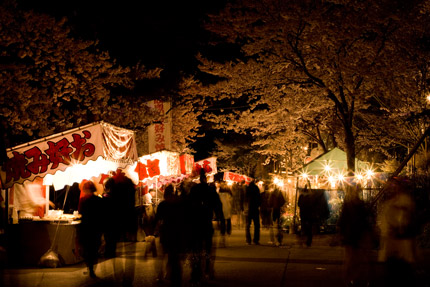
[(305, 70), (51, 82)]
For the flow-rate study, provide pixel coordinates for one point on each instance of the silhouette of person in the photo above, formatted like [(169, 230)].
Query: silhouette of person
[(226, 198), (277, 201), (110, 235), (170, 222), (306, 215), (123, 194), (398, 231), (90, 230), (251, 208), (204, 203), (355, 228), (265, 208)]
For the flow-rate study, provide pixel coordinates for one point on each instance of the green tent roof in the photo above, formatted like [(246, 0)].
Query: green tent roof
[(335, 159)]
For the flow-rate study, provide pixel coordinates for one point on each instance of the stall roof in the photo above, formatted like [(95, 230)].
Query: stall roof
[(335, 159), (61, 151)]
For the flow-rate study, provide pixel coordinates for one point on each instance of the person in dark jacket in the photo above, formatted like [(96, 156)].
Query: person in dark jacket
[(277, 201), (90, 229), (125, 224), (109, 233), (356, 228), (265, 208), (169, 220), (306, 215), (204, 204), (251, 207)]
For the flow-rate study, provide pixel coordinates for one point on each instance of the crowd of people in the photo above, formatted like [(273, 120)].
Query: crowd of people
[(112, 217), (184, 221), (185, 218)]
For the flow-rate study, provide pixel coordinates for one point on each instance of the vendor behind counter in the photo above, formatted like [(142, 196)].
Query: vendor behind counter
[(29, 199)]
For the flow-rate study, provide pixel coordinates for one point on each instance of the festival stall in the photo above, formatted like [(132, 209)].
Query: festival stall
[(327, 175), (91, 152), (155, 170), (329, 170)]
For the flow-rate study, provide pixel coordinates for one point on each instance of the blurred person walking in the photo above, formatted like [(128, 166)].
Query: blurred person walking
[(109, 232), (251, 208), (204, 203), (226, 198), (265, 208), (126, 220), (276, 202), (306, 215), (398, 231), (91, 228), (356, 233), (169, 221)]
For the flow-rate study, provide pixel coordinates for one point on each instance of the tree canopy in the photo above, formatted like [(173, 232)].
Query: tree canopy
[(332, 72), (51, 81)]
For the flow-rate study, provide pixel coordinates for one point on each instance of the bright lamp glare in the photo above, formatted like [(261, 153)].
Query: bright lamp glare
[(278, 182)]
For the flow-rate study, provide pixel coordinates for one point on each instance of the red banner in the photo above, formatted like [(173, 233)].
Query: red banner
[(230, 176)]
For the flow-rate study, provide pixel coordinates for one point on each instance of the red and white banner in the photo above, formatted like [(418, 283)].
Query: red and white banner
[(61, 151), (164, 163), (187, 163), (159, 135), (208, 164), (230, 176)]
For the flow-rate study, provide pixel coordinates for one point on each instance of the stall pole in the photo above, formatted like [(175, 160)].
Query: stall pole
[(156, 191), (47, 199)]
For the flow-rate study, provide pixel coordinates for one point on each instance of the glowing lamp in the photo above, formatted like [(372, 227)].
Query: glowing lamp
[(369, 173)]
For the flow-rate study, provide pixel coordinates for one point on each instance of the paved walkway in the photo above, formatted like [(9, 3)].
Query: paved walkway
[(237, 264)]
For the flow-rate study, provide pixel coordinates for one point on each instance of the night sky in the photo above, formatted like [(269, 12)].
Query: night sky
[(161, 33)]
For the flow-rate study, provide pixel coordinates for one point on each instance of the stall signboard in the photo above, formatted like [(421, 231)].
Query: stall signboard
[(157, 168), (163, 163), (187, 163), (231, 176), (159, 134), (59, 152), (208, 164)]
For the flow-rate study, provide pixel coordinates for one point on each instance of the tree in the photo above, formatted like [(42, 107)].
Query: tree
[(51, 82), (307, 69)]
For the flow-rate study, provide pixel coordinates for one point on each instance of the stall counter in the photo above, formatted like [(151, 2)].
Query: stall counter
[(29, 240)]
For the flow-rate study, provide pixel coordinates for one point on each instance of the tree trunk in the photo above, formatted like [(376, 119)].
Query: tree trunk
[(350, 150)]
